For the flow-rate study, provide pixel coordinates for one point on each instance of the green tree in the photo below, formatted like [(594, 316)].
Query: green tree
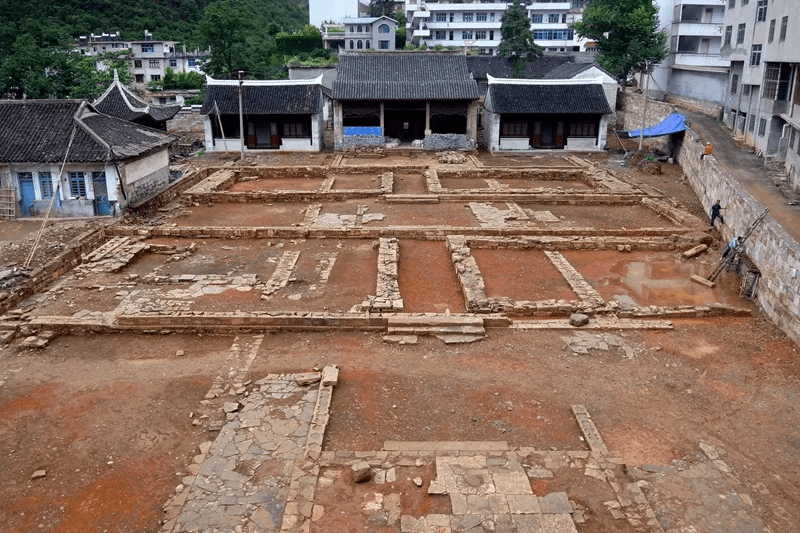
[(379, 8), (626, 32), (224, 28), (400, 34), (517, 38)]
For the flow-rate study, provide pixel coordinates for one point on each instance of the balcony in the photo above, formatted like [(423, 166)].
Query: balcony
[(688, 59), (550, 7), (421, 14), (464, 25), (709, 3), (700, 29), (421, 34), (499, 6)]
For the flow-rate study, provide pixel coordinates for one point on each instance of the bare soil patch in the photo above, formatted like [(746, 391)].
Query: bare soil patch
[(427, 279), (521, 275)]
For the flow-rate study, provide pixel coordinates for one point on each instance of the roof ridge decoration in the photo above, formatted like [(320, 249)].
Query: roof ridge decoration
[(264, 83), (517, 81), (125, 93), (78, 118)]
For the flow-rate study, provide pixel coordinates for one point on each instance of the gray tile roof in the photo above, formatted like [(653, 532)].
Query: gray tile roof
[(38, 131), (404, 76), (580, 99), (118, 101), (289, 99), (500, 67), (568, 70)]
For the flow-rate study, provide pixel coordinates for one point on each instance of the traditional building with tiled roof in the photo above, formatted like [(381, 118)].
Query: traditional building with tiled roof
[(118, 101), (545, 114), (65, 154), (275, 114), (426, 98)]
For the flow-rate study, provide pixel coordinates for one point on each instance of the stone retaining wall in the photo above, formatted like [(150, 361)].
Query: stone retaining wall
[(176, 189), (358, 141), (711, 109), (188, 120), (774, 252)]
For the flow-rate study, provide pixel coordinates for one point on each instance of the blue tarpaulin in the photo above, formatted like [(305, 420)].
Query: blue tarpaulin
[(672, 124), (362, 130)]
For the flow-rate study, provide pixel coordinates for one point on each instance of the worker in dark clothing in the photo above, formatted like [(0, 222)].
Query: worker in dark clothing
[(715, 213)]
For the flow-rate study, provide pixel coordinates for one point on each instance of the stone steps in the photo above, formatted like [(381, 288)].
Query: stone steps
[(434, 321), (411, 199), (437, 330)]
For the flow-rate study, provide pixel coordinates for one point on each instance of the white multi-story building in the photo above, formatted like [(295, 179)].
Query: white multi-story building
[(762, 104), (476, 24), (149, 58), (364, 33), (694, 70), (326, 11)]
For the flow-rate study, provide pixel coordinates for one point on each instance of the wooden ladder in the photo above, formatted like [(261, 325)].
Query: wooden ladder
[(8, 207), (729, 259)]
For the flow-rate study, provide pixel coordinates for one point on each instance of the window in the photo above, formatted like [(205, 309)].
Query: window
[(192, 62), (383, 45), (139, 78), (728, 34), (755, 55), (383, 28), (137, 63), (491, 16), (745, 2), (466, 35), (745, 90), (552, 18), (452, 33), (771, 31), (784, 24), (155, 77), (777, 81), (514, 128), (740, 33), (351, 45), (536, 18), (583, 129), (358, 29), (761, 11), (359, 45), (173, 63), (731, 4), (751, 126), (480, 35), (367, 46), (452, 17), (296, 129), (352, 29), (480, 17), (734, 83), (563, 18), (155, 63), (46, 184), (441, 17), (77, 185), (762, 127), (440, 35), (466, 17), (552, 35), (491, 35), (147, 48)]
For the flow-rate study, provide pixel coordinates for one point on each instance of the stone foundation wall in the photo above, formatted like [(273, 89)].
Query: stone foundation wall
[(176, 189), (147, 187), (630, 115), (774, 252), (356, 141), (448, 141), (41, 277)]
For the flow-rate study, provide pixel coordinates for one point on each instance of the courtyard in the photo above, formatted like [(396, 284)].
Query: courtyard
[(226, 362)]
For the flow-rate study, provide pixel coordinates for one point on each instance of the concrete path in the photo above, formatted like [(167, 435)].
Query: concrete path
[(747, 169)]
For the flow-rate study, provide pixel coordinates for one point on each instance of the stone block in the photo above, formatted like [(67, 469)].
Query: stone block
[(578, 319), (361, 472), (330, 376)]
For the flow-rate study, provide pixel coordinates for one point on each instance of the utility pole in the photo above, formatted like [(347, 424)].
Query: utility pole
[(644, 113), (241, 116)]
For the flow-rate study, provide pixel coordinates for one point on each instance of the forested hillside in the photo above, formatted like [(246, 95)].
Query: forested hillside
[(36, 36)]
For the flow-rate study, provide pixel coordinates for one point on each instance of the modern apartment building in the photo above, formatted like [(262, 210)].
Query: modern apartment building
[(694, 71), (762, 104), (327, 11), (149, 58), (476, 24)]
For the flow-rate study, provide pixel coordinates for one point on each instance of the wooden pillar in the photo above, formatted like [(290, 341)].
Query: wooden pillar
[(427, 117), (338, 125), (383, 131)]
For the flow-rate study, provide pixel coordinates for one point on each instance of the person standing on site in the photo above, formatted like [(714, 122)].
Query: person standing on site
[(715, 213), (706, 151), (732, 246)]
